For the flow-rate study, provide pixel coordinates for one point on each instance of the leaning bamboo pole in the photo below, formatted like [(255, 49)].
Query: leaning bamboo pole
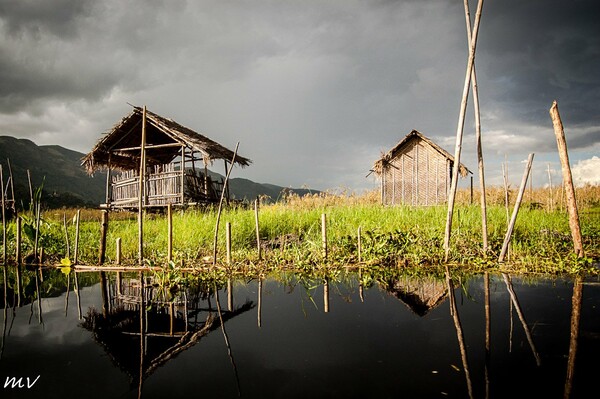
[(484, 235), (513, 218), (567, 179), (460, 127)]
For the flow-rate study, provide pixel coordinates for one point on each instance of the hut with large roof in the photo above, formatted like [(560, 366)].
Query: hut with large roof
[(157, 157), (416, 171)]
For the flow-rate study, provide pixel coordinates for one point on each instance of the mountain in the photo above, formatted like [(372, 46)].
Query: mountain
[(65, 182)]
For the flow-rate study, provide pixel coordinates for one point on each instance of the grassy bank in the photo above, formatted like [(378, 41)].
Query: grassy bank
[(290, 231)]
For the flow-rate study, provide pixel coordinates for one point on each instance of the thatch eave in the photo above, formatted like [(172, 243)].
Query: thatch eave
[(113, 149)]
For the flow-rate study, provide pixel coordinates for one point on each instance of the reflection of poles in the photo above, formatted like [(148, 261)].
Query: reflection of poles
[(5, 310), (488, 328), (142, 335), (67, 296), (229, 295), (361, 293), (39, 298), (515, 301), (104, 288), (77, 294), (259, 316), (459, 332), (237, 379), (326, 295), (575, 318)]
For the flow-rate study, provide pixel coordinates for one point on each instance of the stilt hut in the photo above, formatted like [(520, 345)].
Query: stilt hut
[(157, 157), (416, 171)]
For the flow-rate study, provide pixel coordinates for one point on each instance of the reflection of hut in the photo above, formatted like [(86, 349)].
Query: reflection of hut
[(166, 332), (416, 171), (420, 295), (170, 152)]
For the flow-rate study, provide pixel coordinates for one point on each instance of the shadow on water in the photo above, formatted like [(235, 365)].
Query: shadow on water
[(371, 335)]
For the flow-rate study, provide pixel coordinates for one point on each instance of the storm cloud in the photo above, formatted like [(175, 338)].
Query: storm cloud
[(313, 90)]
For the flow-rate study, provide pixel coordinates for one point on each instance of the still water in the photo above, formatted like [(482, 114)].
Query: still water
[(292, 337)]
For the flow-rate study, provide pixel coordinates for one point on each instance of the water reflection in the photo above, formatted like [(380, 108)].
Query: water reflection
[(371, 336)]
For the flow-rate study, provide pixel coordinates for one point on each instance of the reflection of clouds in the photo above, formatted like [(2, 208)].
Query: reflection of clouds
[(56, 328)]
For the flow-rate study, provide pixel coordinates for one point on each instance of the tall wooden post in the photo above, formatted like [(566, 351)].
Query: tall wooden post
[(567, 179), (142, 191), (3, 219), (18, 239)]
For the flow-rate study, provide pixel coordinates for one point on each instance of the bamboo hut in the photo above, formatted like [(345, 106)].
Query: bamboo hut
[(169, 152), (416, 171)]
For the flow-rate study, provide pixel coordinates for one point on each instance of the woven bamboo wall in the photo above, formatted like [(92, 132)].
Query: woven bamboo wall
[(418, 175)]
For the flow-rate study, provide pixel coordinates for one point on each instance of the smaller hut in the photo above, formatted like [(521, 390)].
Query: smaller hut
[(416, 171), (169, 153)]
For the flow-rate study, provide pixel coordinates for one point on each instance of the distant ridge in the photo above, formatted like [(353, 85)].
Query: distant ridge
[(65, 182)]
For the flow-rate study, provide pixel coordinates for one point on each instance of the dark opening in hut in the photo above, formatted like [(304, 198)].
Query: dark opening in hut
[(170, 151)]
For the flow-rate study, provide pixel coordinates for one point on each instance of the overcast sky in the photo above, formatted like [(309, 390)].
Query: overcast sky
[(314, 91)]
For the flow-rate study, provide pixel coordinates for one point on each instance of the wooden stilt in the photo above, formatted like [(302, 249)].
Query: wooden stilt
[(169, 233), (141, 191), (103, 233), (257, 229), (324, 234), (76, 250)]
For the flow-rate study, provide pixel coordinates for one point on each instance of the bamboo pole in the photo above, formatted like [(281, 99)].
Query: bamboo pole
[(567, 180), (324, 234), (66, 235), (228, 241), (103, 233), (12, 185), (141, 190), (170, 233), (459, 129), (76, 250), (118, 251), (18, 239), (359, 244), (257, 229), (513, 218)]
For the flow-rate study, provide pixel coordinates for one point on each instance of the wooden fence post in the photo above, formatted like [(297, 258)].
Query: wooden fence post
[(170, 232), (18, 238), (103, 233), (228, 241), (76, 249), (567, 179), (324, 234), (257, 229), (359, 244)]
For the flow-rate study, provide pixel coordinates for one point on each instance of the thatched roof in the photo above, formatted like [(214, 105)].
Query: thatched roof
[(382, 163), (119, 143)]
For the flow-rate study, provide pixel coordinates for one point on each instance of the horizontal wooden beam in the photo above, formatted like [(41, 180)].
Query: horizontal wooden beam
[(148, 147)]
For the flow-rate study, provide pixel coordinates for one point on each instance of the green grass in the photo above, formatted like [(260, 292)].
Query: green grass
[(397, 237)]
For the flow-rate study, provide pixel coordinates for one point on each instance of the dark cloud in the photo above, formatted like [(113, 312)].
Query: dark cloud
[(314, 90)]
